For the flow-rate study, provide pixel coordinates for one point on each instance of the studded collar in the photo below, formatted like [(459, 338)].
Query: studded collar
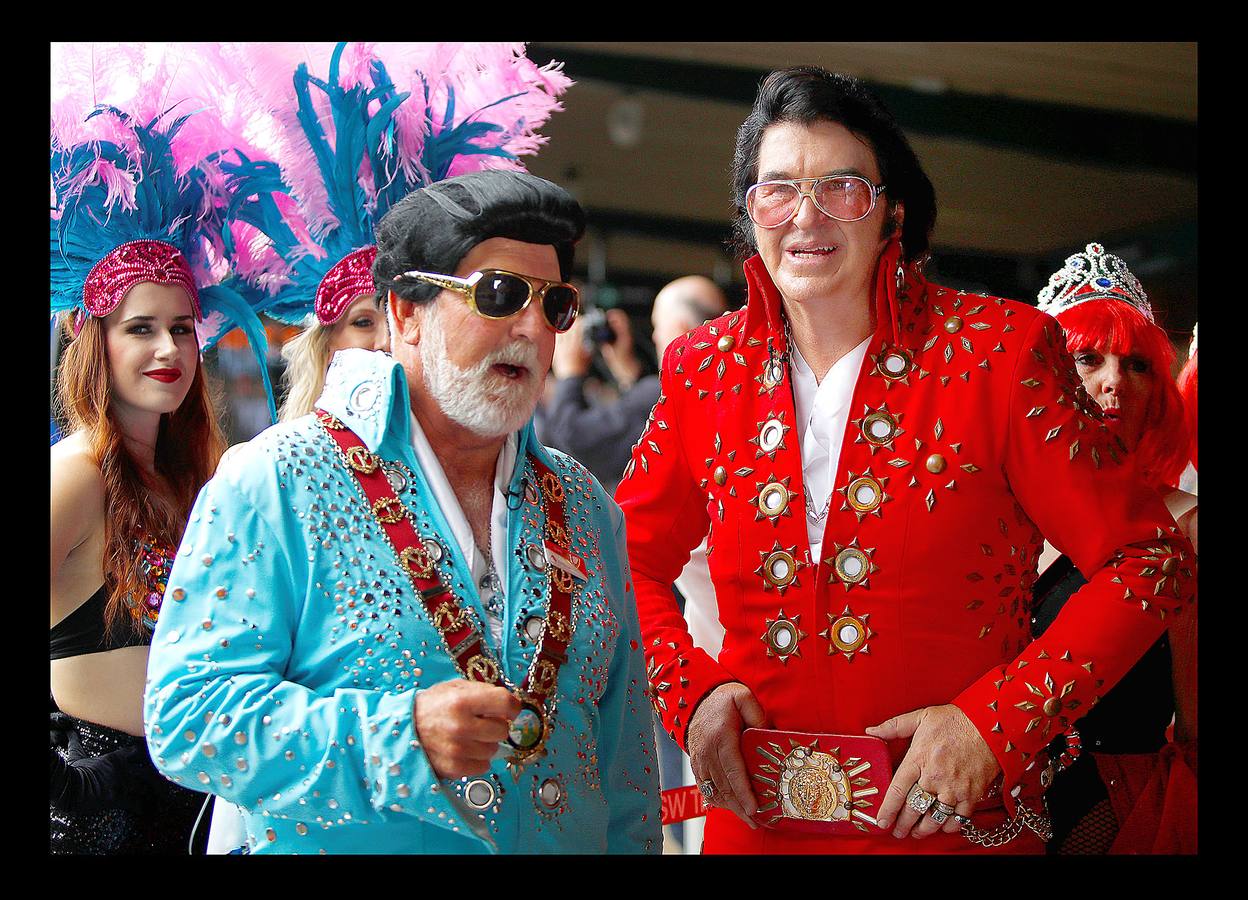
[(765, 306)]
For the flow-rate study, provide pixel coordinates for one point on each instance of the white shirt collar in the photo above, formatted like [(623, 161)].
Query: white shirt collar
[(461, 530), (822, 410), (826, 400)]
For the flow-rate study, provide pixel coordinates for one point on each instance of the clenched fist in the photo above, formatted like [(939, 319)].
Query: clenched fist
[(460, 724)]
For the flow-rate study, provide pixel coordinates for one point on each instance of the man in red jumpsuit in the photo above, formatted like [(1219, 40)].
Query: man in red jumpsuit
[(874, 460)]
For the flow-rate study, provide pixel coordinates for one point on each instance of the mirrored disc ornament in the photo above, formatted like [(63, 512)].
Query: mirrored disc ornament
[(550, 793), (782, 636), (778, 567), (865, 493), (530, 492), (533, 628), (773, 499), (895, 364), (852, 565), (536, 557), (847, 633), (480, 793), (879, 427), (395, 476), (770, 435), (433, 548)]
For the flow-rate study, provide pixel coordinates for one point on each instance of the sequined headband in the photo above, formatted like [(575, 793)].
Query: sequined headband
[(1092, 275), (350, 277), (129, 264)]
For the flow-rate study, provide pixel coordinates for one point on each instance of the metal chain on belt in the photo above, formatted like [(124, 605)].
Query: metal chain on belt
[(1042, 825)]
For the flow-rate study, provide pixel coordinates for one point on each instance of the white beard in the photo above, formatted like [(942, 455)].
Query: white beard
[(477, 398)]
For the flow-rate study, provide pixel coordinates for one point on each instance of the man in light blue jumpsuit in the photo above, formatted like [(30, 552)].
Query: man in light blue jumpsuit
[(296, 670)]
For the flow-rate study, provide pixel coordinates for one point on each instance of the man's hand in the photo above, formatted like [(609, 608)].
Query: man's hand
[(714, 739), (571, 359), (947, 757), (460, 724)]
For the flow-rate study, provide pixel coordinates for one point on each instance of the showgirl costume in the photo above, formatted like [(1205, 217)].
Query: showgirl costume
[(137, 197), (1131, 791), (969, 436)]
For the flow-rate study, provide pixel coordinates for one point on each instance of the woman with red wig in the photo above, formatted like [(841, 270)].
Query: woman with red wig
[(1187, 388), (1132, 791)]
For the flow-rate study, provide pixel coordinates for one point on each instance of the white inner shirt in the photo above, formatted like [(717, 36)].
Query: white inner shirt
[(461, 530), (822, 415)]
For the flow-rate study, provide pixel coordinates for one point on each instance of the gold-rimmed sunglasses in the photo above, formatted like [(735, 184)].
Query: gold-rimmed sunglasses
[(499, 294)]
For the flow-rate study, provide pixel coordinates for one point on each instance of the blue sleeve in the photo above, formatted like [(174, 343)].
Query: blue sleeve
[(627, 758), (228, 709)]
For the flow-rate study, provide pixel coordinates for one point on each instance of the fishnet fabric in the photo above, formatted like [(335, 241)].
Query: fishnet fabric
[(1093, 834)]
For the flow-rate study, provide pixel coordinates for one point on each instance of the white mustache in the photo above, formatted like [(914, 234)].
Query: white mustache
[(520, 353)]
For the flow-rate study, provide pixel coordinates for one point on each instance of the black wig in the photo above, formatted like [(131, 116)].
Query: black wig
[(433, 228)]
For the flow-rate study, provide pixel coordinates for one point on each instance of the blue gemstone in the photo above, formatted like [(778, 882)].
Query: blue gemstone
[(1104, 282)]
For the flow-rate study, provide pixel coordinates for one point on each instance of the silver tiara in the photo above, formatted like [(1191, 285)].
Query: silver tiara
[(1092, 275)]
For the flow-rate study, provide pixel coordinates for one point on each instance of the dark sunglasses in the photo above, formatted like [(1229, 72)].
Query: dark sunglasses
[(498, 294)]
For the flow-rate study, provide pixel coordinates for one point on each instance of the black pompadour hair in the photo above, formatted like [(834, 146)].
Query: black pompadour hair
[(808, 94), (433, 228)]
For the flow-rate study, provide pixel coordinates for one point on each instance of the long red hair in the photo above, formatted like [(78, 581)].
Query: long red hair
[(189, 443), (1187, 390), (1114, 326)]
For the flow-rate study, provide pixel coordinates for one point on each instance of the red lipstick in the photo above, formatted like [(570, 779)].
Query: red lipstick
[(168, 376)]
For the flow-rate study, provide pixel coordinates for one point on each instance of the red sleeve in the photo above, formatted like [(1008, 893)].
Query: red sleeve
[(665, 511), (1073, 479)]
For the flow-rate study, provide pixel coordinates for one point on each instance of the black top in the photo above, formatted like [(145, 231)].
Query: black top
[(1133, 717), (82, 631)]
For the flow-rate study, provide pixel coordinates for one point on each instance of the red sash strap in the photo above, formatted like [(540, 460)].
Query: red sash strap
[(458, 628)]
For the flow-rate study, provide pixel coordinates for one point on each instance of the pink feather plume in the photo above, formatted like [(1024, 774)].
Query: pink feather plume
[(479, 73)]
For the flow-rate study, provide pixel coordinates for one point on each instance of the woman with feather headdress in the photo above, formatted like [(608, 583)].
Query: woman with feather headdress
[(138, 202)]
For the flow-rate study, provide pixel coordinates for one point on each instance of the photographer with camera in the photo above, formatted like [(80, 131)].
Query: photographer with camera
[(601, 434)]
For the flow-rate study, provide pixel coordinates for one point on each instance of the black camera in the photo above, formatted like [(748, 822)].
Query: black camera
[(595, 328)]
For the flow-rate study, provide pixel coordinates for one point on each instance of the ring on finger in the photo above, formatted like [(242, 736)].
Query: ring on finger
[(938, 815), (963, 821), (707, 787), (920, 800)]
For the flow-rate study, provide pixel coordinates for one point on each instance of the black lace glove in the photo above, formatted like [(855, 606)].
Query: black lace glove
[(120, 779)]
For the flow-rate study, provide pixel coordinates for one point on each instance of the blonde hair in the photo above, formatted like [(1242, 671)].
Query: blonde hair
[(307, 357)]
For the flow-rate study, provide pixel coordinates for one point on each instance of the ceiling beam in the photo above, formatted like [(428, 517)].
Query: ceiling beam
[(695, 231), (1099, 137)]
